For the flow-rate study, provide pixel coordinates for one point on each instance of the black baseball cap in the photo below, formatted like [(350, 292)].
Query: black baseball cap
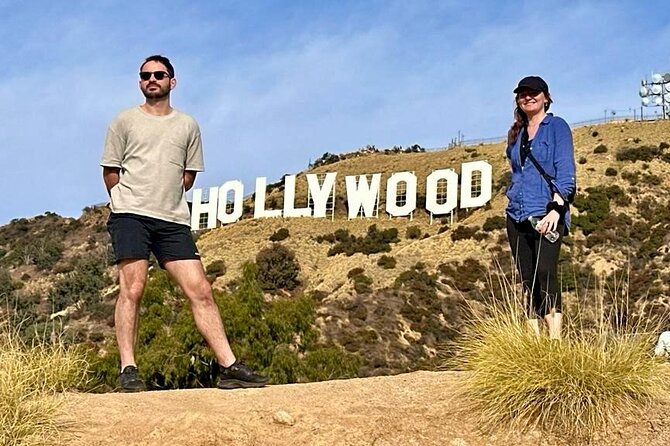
[(532, 83)]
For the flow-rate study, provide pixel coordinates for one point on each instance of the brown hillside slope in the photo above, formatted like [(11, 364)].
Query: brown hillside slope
[(411, 409), (239, 242)]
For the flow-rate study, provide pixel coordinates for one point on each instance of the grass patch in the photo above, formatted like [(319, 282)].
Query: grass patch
[(31, 376), (574, 388)]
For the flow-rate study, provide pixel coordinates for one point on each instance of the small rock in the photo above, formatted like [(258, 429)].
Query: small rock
[(283, 417)]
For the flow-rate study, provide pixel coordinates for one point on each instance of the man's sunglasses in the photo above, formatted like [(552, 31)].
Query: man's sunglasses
[(158, 75)]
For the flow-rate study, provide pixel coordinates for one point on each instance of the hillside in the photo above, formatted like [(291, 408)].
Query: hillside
[(393, 313), (419, 408)]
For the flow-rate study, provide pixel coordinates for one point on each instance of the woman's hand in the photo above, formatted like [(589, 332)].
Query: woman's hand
[(549, 222)]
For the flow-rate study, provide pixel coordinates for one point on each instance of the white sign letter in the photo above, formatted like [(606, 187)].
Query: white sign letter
[(450, 204), (259, 201), (237, 188), (485, 183), (198, 208), (392, 194), (289, 200), (320, 194), (361, 194)]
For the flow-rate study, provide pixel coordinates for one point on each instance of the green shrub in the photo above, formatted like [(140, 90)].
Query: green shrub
[(275, 338), (493, 223), (277, 268), (355, 272), (41, 252), (593, 209), (611, 172), (83, 284), (601, 148), (417, 280), (325, 159), (642, 153), (217, 268), (279, 235), (464, 232), (373, 242), (7, 285), (652, 180), (582, 160), (362, 284), (328, 363), (413, 233), (386, 262), (632, 177)]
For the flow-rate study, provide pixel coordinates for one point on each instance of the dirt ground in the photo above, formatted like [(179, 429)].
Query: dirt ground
[(410, 409)]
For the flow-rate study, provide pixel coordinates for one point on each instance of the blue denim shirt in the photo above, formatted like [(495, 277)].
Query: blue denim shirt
[(552, 147)]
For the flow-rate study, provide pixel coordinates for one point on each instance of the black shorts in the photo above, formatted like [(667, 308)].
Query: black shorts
[(136, 236)]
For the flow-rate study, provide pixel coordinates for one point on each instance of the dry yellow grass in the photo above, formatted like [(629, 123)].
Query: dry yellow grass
[(30, 379), (577, 387)]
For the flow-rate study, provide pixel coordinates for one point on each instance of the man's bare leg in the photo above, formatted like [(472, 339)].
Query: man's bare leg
[(132, 278), (190, 276)]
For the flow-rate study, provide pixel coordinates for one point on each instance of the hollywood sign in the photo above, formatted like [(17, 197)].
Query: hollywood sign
[(362, 195)]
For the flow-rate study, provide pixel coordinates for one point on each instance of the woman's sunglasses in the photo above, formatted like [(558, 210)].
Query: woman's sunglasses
[(158, 75)]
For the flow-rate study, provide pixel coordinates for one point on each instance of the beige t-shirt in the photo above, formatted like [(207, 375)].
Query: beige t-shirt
[(152, 152)]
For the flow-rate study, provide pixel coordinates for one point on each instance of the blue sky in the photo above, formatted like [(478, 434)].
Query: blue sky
[(275, 84)]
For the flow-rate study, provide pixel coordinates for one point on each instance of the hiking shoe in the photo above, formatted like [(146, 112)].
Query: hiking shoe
[(239, 376), (129, 380)]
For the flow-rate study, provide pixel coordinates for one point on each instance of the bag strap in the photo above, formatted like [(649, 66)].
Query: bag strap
[(548, 178)]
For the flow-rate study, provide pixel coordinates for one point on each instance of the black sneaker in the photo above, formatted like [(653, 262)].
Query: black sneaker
[(129, 380), (239, 376)]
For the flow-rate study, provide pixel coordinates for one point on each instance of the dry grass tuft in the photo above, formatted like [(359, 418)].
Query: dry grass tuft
[(30, 378), (576, 387)]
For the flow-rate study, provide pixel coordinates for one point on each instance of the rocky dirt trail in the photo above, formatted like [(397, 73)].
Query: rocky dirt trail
[(410, 409)]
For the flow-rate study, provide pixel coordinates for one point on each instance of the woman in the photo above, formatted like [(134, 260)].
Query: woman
[(539, 141)]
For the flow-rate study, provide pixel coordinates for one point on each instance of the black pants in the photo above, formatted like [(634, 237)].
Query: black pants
[(537, 261)]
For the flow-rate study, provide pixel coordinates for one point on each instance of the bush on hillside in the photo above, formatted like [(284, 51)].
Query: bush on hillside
[(277, 268), (362, 284), (216, 269), (464, 232), (325, 159), (374, 241), (641, 153), (413, 233), (275, 338), (83, 285), (279, 235), (493, 223), (651, 180), (632, 177), (593, 209), (611, 172), (600, 148), (7, 285), (386, 262)]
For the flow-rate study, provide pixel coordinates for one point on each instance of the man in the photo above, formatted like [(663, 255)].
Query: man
[(151, 157)]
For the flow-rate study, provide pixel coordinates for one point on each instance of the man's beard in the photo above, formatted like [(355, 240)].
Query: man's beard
[(157, 94)]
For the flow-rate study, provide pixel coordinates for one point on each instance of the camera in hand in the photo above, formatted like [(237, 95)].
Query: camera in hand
[(551, 236)]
